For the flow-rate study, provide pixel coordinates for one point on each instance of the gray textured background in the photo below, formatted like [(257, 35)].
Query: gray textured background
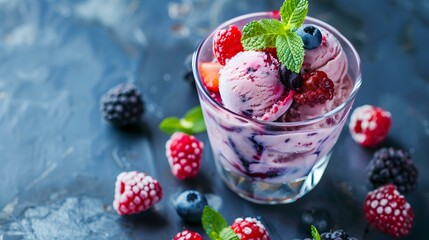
[(59, 159)]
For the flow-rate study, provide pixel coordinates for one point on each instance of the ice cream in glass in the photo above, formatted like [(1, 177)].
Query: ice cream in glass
[(275, 89)]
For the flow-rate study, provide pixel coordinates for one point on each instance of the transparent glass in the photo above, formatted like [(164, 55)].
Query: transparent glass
[(272, 162)]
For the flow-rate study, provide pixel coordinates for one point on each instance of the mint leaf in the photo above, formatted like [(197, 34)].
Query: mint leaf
[(195, 116), (290, 51), (213, 223), (293, 12), (171, 125), (228, 234), (261, 34), (315, 233), (194, 113), (192, 123)]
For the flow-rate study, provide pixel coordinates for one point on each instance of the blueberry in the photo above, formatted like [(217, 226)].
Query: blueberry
[(190, 205), (187, 72), (311, 36), (318, 217)]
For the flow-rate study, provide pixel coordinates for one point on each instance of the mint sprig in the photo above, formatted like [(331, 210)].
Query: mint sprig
[(216, 226), (314, 233), (191, 123), (269, 33), (293, 12)]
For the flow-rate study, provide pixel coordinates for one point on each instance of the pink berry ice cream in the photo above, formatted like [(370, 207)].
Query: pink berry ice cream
[(249, 84), (272, 126), (328, 57)]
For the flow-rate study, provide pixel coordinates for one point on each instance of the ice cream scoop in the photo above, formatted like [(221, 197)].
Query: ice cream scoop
[(249, 85), (330, 58)]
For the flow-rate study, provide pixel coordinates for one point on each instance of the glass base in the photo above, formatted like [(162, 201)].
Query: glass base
[(273, 193)]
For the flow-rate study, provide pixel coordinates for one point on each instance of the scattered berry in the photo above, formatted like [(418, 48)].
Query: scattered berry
[(135, 192), (318, 217), (227, 43), (337, 235), (369, 125), (390, 165), (249, 228), (316, 88), (310, 35), (210, 75), (187, 73), (122, 105), (190, 205), (388, 211), (184, 154), (187, 235)]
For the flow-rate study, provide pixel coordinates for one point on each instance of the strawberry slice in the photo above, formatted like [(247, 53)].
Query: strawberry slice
[(210, 75)]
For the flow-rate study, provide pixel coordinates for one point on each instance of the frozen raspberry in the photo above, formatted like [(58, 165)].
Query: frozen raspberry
[(184, 154), (187, 235), (227, 43), (369, 125), (135, 192), (316, 88), (249, 228), (388, 211)]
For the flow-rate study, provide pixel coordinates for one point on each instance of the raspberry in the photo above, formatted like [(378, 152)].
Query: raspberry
[(369, 125), (122, 105), (316, 88), (388, 211), (227, 43), (272, 51), (135, 192), (187, 235), (249, 228), (184, 154), (390, 165), (337, 235)]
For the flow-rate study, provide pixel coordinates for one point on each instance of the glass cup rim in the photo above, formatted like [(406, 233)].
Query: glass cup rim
[(334, 111)]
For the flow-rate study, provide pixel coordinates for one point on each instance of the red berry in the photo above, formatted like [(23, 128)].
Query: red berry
[(184, 154), (227, 43), (272, 51), (135, 192), (187, 235), (210, 75), (388, 211), (369, 125), (250, 228), (316, 88)]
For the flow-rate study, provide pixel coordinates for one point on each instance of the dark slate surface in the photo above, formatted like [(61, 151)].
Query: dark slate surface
[(59, 159)]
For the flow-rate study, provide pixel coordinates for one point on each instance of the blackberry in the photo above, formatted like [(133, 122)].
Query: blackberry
[(291, 80), (390, 165), (337, 235), (122, 105)]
